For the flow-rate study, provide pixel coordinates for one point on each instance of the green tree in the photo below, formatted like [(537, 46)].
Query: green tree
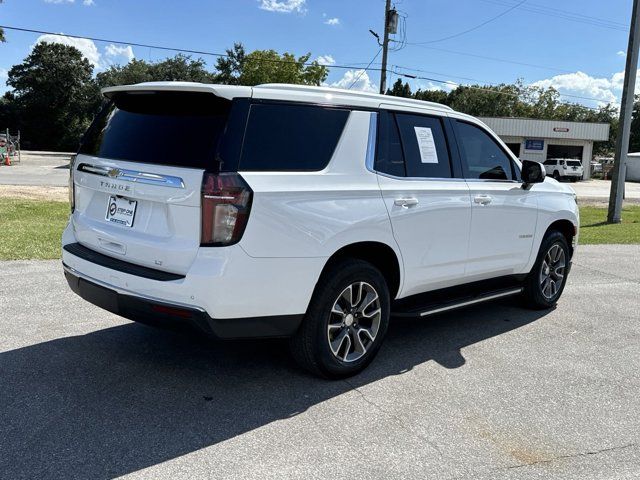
[(229, 68), (179, 68), (54, 96), (400, 89), (438, 96), (268, 66)]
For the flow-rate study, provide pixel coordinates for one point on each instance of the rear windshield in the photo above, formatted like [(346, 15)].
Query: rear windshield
[(169, 128), (574, 163)]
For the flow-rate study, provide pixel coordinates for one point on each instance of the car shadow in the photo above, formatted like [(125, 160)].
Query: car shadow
[(117, 400)]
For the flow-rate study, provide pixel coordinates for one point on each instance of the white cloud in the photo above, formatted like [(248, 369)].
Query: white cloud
[(88, 3), (114, 51), (283, 6), (358, 78), (4, 75), (325, 60), (617, 80), (580, 83), (432, 86), (621, 53), (602, 90), (113, 54), (332, 21), (86, 47)]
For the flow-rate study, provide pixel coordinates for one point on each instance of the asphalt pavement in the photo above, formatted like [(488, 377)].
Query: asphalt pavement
[(49, 169), (599, 190), (492, 391)]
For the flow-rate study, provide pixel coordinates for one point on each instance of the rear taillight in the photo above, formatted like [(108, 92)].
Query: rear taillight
[(226, 201), (72, 187)]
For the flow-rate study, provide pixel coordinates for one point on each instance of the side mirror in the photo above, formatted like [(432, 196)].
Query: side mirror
[(532, 172)]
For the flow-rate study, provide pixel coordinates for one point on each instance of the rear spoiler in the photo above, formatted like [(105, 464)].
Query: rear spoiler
[(228, 92)]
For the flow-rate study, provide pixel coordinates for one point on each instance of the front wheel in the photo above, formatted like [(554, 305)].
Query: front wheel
[(548, 277), (346, 321)]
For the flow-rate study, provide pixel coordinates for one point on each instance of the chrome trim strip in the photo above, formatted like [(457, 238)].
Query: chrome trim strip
[(129, 293), (489, 180), (471, 302), (428, 179), (371, 142), (133, 176)]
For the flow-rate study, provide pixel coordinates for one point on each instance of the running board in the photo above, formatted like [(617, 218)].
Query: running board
[(451, 303)]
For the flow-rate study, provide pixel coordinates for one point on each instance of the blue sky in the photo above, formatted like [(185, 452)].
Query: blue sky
[(576, 45)]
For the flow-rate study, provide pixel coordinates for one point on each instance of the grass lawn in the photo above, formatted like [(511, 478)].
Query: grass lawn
[(31, 229), (595, 230)]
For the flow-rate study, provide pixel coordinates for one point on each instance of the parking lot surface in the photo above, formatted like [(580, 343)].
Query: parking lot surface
[(598, 190), (49, 169), (487, 392)]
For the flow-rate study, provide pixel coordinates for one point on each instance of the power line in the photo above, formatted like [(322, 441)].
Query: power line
[(221, 55), (366, 68), (495, 59), (161, 47), (488, 83), (565, 15), (95, 39), (488, 90), (480, 25), (348, 66)]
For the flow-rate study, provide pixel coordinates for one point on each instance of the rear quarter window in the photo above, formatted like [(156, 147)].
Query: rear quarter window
[(283, 137)]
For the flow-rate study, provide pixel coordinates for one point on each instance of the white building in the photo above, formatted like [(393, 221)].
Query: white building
[(633, 167), (538, 140)]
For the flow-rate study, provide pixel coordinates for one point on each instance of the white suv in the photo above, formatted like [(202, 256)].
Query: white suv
[(303, 212), (561, 168)]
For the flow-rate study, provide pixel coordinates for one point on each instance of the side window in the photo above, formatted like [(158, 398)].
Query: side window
[(482, 157), (282, 137), (424, 145), (550, 162), (389, 155)]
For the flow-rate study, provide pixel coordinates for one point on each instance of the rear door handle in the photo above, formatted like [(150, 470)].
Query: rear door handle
[(405, 202), (482, 199)]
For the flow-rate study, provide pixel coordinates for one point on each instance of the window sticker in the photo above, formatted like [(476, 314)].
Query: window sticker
[(426, 145)]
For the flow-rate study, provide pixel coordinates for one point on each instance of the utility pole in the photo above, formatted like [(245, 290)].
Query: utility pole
[(385, 47), (626, 109)]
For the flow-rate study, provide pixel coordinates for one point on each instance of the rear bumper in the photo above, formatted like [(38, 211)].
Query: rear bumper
[(224, 282), (159, 313)]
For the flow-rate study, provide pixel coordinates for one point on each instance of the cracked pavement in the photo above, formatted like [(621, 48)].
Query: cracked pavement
[(488, 392)]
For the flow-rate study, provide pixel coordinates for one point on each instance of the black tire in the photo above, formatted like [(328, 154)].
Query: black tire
[(310, 345), (556, 175), (533, 293)]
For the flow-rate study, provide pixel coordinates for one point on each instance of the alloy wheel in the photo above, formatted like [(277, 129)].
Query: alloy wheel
[(552, 271), (354, 321)]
